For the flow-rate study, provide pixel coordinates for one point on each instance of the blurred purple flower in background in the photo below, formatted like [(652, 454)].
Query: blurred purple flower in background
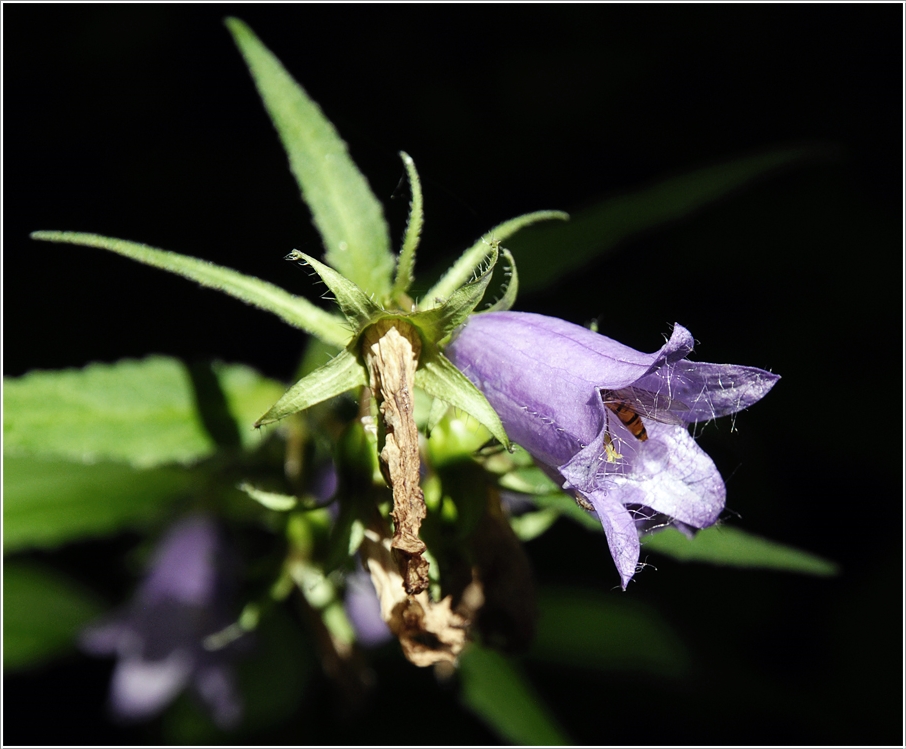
[(606, 422), (159, 638), (364, 609)]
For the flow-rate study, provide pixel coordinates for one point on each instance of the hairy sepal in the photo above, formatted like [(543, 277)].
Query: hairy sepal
[(462, 269), (343, 372), (436, 324), (406, 262), (355, 305), (437, 376)]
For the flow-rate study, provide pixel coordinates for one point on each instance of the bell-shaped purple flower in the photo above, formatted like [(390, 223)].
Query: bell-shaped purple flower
[(159, 639), (609, 423)]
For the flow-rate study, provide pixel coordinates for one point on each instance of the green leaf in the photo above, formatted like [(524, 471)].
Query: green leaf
[(511, 290), (248, 393), (345, 211), (340, 374), (494, 689), (271, 500), (437, 323), (296, 311), (463, 269), (43, 612), (406, 262), (586, 629), (732, 547), (140, 412), (437, 376), (550, 252), (50, 502), (355, 305)]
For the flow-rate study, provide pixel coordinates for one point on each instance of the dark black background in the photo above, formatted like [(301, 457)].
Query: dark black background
[(141, 122)]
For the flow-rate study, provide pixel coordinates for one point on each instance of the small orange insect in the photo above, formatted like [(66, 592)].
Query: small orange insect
[(630, 404)]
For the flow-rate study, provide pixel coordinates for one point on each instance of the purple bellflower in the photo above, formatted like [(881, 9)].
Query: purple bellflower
[(159, 639), (606, 422)]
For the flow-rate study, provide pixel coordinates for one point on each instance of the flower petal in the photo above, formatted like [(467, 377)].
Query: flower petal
[(142, 688), (704, 391), (672, 475), (622, 536)]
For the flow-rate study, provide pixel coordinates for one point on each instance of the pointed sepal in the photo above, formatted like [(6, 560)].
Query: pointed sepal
[(437, 323), (461, 270), (340, 374), (353, 302), (437, 376), (406, 262)]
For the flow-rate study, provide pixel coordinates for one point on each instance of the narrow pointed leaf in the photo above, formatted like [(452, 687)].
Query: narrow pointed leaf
[(494, 689), (732, 547), (596, 230), (406, 262), (437, 376), (638, 640), (462, 269), (439, 322), (345, 211), (340, 374), (511, 290), (296, 311), (353, 302)]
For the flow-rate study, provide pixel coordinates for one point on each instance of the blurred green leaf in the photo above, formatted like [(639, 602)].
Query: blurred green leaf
[(144, 413), (294, 310), (732, 547), (43, 611), (348, 216), (48, 502), (593, 231), (586, 629), (248, 393), (493, 688), (140, 412)]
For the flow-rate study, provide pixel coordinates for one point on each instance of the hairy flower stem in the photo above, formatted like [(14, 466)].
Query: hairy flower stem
[(391, 349)]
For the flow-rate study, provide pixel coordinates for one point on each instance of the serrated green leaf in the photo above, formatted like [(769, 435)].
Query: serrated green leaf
[(593, 231), (340, 374), (139, 412), (345, 211), (462, 270), (732, 547), (511, 289), (437, 376), (50, 502), (355, 305), (437, 323), (494, 689), (586, 629), (43, 611), (294, 310)]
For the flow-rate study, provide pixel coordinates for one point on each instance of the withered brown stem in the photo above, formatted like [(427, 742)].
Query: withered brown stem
[(391, 349)]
